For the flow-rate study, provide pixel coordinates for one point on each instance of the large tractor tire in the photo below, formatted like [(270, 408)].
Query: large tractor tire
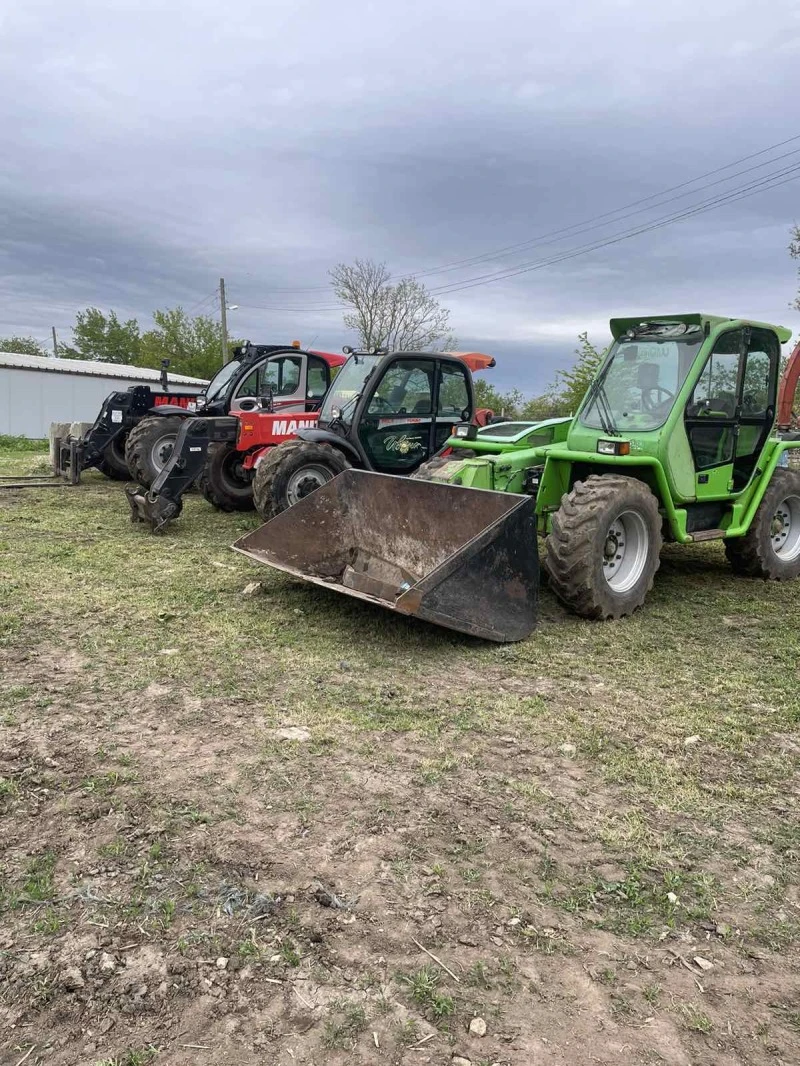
[(291, 471), (604, 548), (149, 446), (113, 463), (224, 482), (770, 549)]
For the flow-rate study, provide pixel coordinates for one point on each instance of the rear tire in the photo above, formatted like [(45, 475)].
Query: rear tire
[(770, 549), (149, 446), (113, 463), (224, 482), (603, 551), (291, 471)]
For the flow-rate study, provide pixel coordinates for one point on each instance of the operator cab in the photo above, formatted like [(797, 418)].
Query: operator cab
[(262, 377)]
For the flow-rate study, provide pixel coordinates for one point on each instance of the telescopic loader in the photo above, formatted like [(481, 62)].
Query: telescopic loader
[(679, 437)]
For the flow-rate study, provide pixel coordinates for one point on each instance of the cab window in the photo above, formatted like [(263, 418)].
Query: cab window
[(406, 388), (453, 392), (318, 379), (283, 375)]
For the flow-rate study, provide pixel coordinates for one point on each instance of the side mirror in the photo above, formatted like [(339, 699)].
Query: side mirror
[(164, 378)]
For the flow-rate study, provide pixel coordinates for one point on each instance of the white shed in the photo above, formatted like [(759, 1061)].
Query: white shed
[(36, 390)]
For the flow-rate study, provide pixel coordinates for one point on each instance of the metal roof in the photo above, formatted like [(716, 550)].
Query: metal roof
[(83, 366)]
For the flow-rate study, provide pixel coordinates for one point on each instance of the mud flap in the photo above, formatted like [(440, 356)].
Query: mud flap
[(462, 558)]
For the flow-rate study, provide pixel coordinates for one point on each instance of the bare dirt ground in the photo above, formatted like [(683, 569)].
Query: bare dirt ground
[(281, 828)]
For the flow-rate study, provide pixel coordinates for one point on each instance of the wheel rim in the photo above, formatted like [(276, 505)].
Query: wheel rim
[(236, 480), (785, 529), (161, 450), (625, 551), (305, 481)]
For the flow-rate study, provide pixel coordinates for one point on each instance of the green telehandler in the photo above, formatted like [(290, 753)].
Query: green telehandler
[(681, 436)]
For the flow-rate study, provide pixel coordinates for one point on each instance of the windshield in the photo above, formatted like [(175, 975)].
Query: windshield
[(638, 384), (220, 381), (342, 397)]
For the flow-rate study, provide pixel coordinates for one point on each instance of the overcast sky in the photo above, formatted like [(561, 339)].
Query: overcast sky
[(149, 148)]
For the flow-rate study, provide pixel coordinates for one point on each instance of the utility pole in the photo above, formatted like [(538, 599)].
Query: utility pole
[(55, 344), (223, 307)]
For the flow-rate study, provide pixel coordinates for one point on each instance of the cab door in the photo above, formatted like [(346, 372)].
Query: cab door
[(397, 424), (284, 374), (454, 401), (731, 410)]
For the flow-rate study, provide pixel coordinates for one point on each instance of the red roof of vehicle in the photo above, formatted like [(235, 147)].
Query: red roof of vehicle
[(329, 357), (475, 360)]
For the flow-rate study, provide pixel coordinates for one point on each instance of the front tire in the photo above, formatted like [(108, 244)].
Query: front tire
[(113, 463), (603, 551), (224, 481), (770, 549), (291, 471), (150, 445)]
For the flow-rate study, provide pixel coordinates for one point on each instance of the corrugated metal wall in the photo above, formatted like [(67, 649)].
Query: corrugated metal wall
[(31, 399)]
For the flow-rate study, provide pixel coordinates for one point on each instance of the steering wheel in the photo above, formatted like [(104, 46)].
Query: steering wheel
[(647, 397), (381, 403)]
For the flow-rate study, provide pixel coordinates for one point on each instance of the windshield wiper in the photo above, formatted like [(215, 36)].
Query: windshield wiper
[(598, 398), (602, 398)]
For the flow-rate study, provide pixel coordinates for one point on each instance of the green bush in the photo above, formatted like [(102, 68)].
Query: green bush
[(21, 444)]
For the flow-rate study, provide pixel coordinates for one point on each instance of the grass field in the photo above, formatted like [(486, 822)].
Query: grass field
[(232, 824)]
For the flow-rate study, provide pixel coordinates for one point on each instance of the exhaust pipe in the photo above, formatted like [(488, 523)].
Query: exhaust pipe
[(465, 559)]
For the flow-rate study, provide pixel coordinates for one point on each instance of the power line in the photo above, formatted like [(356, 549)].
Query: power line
[(595, 221), (770, 181), (211, 296), (554, 235)]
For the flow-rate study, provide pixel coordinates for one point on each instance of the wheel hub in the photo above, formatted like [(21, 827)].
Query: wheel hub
[(161, 451), (624, 551), (305, 481), (784, 529), (611, 547)]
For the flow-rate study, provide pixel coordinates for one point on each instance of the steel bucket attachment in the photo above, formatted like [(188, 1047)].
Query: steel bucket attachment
[(463, 558), (156, 510)]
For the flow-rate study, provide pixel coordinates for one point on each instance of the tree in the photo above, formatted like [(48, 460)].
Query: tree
[(22, 346), (192, 345), (570, 386), (401, 317), (502, 403), (560, 399), (794, 252), (103, 338)]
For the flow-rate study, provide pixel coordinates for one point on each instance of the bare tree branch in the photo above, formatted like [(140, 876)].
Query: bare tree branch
[(403, 317)]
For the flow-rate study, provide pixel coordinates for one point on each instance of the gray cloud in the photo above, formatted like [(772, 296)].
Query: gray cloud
[(150, 148)]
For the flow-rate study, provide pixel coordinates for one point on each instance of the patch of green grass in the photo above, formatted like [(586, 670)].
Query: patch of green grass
[(9, 788), (289, 953), (652, 993), (49, 922), (115, 849), (695, 1018), (132, 1057), (38, 884), (424, 988), (101, 784), (343, 1025)]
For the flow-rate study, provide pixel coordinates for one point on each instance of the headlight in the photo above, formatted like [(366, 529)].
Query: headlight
[(614, 447)]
